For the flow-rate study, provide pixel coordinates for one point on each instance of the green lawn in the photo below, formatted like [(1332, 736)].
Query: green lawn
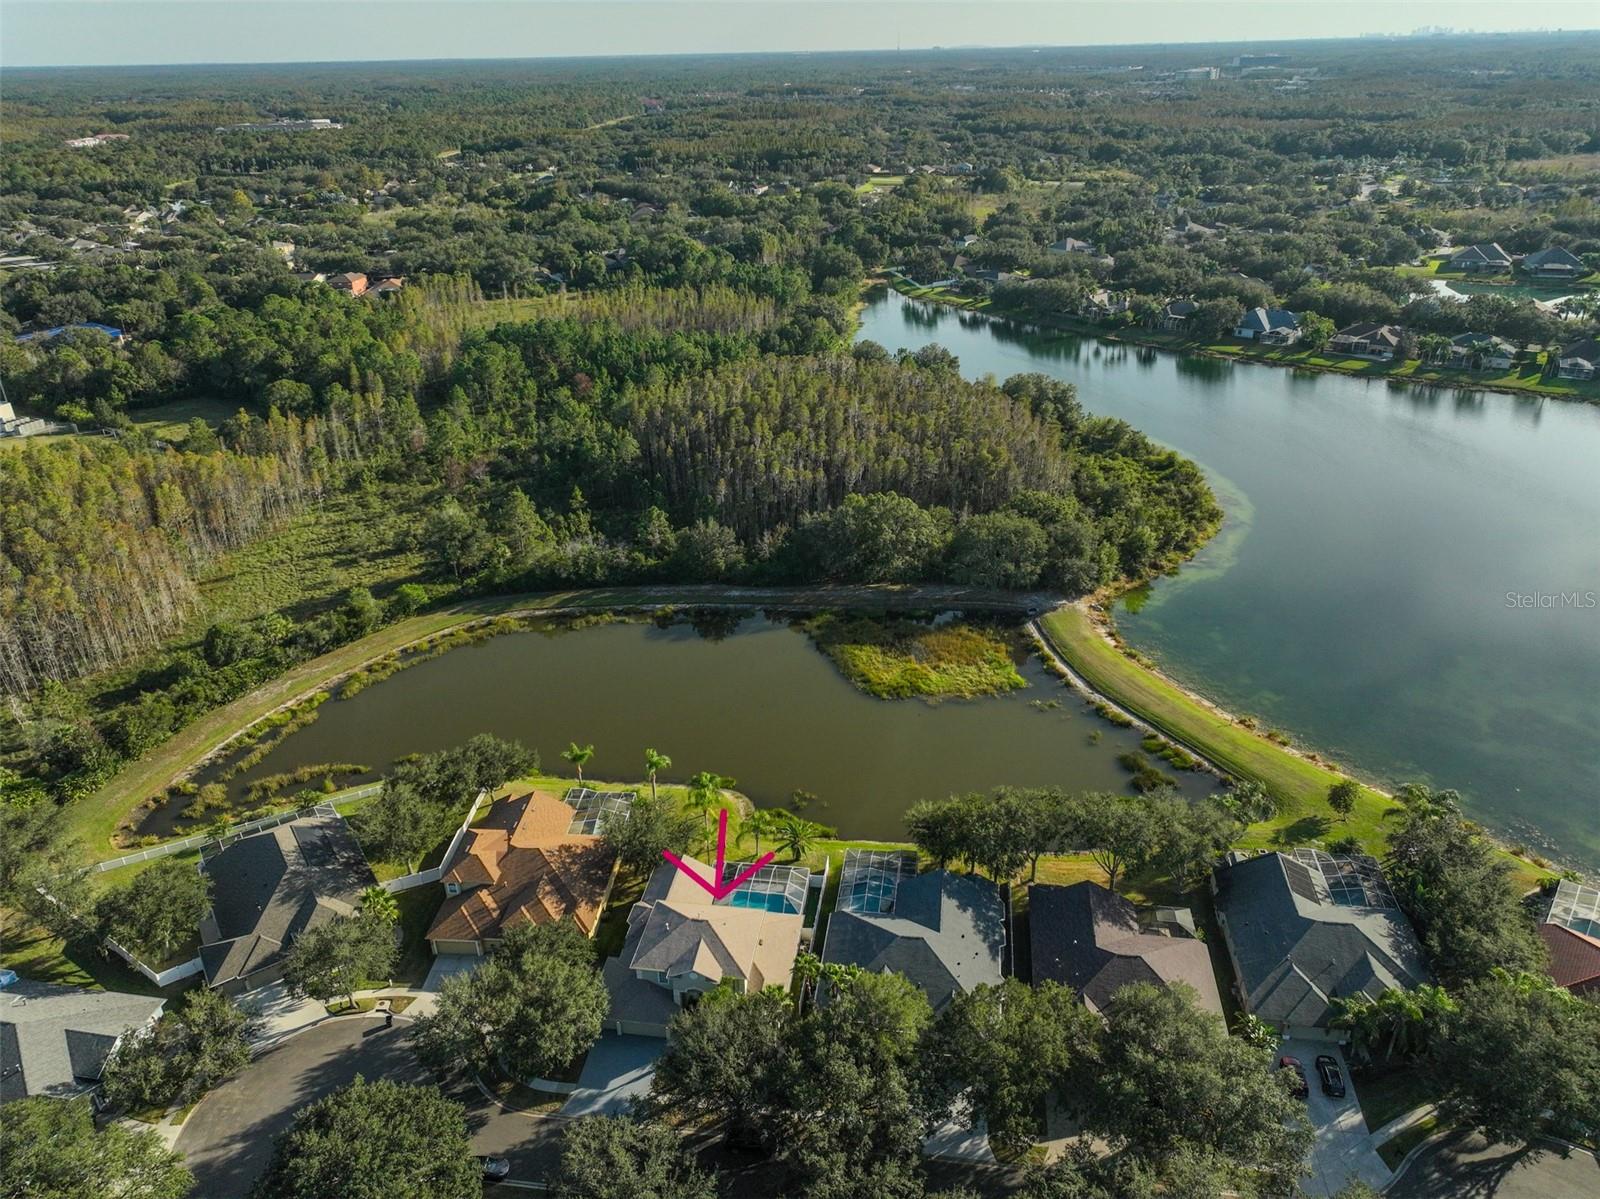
[(1394, 1150), (1387, 1094), (34, 953), (1300, 785), (171, 421)]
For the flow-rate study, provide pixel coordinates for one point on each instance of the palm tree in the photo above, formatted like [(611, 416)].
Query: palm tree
[(579, 756), (705, 792), (375, 901), (655, 760), (1360, 1017), (797, 834), (762, 822)]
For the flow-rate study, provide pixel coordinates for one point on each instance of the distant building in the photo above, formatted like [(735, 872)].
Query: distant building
[(1090, 939), (1174, 316), (1245, 61), (1580, 360), (12, 425), (55, 1040), (284, 249), (1269, 326), (1102, 304), (1554, 263), (282, 126), (1368, 339), (1071, 245), (1485, 259), (384, 288), (1307, 927), (270, 887), (1196, 74), (350, 282), (681, 943), (1481, 351), (1571, 932), (97, 139)]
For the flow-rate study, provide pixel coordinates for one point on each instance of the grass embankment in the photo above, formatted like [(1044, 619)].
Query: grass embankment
[(898, 659), (1299, 783)]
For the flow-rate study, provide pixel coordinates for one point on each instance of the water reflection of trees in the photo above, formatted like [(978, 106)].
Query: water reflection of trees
[(1205, 370)]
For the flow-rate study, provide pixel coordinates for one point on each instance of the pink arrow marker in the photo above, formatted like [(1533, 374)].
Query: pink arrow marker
[(718, 888)]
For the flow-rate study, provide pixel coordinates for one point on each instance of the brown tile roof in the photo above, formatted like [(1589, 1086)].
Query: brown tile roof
[(521, 866), (1574, 958)]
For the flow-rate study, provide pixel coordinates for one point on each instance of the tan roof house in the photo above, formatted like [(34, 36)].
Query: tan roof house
[(524, 865), (681, 944)]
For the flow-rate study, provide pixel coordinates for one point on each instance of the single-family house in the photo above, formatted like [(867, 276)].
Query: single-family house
[(966, 240), (1308, 927), (55, 1040), (1174, 315), (1091, 939), (1571, 932), (681, 943), (1580, 360), (1481, 351), (1554, 263), (1483, 259), (386, 288), (285, 250), (530, 861), (1269, 326), (1367, 339), (946, 932), (1071, 245), (270, 887), (350, 282), (1102, 304)]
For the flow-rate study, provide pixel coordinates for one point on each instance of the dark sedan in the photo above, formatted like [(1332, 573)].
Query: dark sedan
[(1330, 1076)]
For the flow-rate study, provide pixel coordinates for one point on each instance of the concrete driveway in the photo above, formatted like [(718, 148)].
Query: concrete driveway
[(228, 1138), (1343, 1151), (447, 964), (1462, 1165), (616, 1070)]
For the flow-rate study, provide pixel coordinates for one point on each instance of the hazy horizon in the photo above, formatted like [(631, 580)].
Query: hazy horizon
[(110, 33)]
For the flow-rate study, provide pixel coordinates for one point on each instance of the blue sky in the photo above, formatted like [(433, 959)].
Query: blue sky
[(102, 32)]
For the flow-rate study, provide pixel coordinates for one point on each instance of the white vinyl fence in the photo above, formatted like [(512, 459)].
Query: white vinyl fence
[(434, 873)]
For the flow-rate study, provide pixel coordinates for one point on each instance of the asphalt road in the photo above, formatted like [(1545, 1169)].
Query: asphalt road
[(228, 1138), (1465, 1166)]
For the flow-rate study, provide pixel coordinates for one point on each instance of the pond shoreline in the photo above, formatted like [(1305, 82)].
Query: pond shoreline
[(97, 817), (1150, 339)]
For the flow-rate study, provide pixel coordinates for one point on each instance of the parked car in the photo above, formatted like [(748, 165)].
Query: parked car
[(1302, 1088), (1331, 1077), (494, 1168)]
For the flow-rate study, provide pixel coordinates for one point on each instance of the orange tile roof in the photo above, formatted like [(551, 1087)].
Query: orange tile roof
[(523, 867)]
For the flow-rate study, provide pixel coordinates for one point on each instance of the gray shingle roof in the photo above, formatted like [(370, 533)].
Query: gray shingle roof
[(947, 934), (271, 887), (1296, 949), (1262, 320), (55, 1040), (1090, 939)]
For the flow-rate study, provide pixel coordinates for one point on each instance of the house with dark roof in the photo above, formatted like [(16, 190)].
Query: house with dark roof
[(1175, 314), (682, 943), (945, 932), (56, 1040), (1553, 263), (1269, 326), (1308, 927), (1580, 360), (1571, 932), (1367, 339), (270, 887), (523, 865), (1091, 939), (1485, 259), (1481, 351)]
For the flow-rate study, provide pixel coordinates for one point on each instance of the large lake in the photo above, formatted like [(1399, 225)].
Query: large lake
[(760, 703), (1364, 594)]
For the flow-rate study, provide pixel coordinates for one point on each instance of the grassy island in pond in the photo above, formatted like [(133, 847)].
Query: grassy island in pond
[(898, 659)]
